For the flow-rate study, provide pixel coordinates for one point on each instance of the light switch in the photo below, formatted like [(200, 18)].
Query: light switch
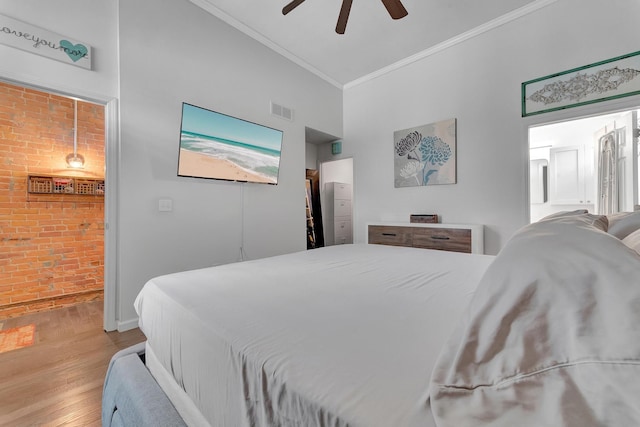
[(165, 205)]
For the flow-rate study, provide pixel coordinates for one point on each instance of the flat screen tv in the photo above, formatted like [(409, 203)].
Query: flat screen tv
[(217, 146)]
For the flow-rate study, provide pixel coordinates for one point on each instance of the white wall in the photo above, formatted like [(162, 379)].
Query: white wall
[(91, 21), (325, 154), (478, 82), (340, 170), (201, 60), (311, 156)]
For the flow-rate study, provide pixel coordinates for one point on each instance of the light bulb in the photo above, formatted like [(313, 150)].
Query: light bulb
[(75, 160)]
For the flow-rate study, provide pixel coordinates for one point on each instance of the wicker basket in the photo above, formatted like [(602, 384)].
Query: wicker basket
[(40, 184)]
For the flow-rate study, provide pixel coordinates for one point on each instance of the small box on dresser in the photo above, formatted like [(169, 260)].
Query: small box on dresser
[(467, 238)]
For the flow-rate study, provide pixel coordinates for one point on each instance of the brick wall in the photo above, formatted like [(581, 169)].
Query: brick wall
[(51, 245)]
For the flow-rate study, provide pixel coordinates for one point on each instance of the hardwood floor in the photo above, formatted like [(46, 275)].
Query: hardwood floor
[(58, 380)]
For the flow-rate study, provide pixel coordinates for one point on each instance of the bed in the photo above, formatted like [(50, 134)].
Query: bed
[(546, 333)]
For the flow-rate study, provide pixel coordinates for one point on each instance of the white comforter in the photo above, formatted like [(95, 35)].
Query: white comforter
[(346, 335), (552, 335)]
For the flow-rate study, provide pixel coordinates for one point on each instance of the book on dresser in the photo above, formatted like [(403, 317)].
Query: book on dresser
[(338, 228), (467, 238)]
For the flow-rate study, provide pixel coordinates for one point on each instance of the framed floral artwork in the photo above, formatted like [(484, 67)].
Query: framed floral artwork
[(425, 155), (611, 79)]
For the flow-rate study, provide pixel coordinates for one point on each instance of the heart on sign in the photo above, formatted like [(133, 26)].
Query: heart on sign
[(75, 51)]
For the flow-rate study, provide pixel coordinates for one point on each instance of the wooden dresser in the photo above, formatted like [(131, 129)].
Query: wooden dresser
[(468, 238)]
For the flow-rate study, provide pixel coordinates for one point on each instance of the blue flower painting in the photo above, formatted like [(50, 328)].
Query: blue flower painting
[(426, 155)]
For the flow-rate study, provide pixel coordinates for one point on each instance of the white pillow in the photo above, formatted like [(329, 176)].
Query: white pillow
[(565, 213), (550, 337), (599, 221), (633, 241), (623, 223)]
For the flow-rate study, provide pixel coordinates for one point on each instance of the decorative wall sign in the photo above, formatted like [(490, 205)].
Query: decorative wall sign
[(42, 42), (425, 155), (614, 78)]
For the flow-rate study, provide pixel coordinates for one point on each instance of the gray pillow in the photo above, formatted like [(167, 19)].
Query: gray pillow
[(623, 223), (633, 241), (599, 221)]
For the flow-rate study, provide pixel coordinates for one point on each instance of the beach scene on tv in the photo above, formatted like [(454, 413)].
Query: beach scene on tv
[(214, 145)]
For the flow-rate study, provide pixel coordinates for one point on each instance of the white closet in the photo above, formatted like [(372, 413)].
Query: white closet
[(571, 176)]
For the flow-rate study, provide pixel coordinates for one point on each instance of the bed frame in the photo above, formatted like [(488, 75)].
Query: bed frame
[(132, 397)]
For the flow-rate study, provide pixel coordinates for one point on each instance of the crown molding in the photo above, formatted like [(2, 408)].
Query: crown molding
[(495, 23), (481, 29), (222, 15)]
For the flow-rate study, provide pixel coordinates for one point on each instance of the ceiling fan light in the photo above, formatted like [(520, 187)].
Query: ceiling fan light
[(394, 7)]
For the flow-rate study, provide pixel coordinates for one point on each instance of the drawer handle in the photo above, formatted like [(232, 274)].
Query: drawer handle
[(440, 237), (389, 234)]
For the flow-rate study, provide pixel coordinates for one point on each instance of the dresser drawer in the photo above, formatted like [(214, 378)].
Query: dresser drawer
[(466, 238), (342, 208), (343, 228), (446, 239), (342, 191), (390, 235), (343, 240)]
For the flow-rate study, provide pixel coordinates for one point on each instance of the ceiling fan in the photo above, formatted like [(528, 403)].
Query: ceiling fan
[(394, 7)]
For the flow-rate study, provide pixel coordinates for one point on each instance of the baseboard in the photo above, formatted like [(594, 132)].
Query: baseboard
[(127, 325)]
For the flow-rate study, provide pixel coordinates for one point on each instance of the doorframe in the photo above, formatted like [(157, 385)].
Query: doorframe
[(591, 110), (112, 160), (111, 248)]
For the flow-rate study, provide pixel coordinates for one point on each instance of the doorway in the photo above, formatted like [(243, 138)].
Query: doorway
[(328, 168), (52, 185), (587, 163)]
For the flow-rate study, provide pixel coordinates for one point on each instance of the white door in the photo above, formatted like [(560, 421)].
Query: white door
[(567, 175)]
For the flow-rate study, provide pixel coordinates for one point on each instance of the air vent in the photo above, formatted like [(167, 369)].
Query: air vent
[(282, 111)]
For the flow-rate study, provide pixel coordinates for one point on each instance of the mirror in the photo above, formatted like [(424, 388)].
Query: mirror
[(589, 163), (538, 181)]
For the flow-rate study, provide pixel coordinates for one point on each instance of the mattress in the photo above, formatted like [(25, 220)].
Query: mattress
[(336, 336)]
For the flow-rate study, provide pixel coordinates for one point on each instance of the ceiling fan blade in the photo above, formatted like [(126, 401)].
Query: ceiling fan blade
[(395, 8), (288, 8), (344, 16)]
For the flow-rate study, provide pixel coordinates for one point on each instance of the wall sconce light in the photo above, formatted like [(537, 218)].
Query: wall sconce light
[(75, 160)]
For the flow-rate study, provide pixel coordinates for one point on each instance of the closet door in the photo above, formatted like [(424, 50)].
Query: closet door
[(567, 178)]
